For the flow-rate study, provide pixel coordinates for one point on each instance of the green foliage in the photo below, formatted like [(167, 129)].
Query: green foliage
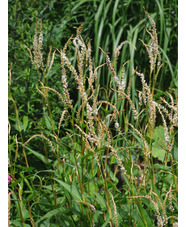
[(158, 145), (125, 176)]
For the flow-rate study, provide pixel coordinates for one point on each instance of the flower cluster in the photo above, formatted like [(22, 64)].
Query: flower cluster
[(9, 179), (37, 45)]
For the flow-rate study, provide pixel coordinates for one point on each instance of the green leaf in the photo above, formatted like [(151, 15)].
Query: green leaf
[(140, 141), (106, 222), (16, 223), (27, 169), (127, 181), (112, 175), (38, 155), (48, 123), (67, 195), (149, 204), (95, 168), (159, 153), (97, 215), (72, 189), (112, 160), (159, 94), (100, 200), (175, 153), (92, 187), (157, 147), (106, 111), (25, 122), (20, 206), (137, 217), (146, 217), (157, 191), (161, 167), (18, 127), (51, 214), (149, 140)]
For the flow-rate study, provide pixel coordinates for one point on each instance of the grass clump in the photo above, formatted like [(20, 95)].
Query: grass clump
[(109, 157)]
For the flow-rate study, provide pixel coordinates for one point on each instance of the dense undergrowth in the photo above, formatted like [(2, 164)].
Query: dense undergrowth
[(96, 142)]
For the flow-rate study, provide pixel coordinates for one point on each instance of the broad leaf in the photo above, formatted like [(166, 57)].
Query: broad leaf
[(25, 122), (100, 200), (72, 189), (38, 155), (157, 147)]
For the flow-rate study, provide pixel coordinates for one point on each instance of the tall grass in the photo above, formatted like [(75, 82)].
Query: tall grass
[(110, 158), (111, 22)]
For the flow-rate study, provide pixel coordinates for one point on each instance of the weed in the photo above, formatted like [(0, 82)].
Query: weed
[(79, 186)]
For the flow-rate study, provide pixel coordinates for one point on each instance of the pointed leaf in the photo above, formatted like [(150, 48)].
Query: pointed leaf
[(100, 200), (72, 189), (25, 122), (38, 155), (51, 214)]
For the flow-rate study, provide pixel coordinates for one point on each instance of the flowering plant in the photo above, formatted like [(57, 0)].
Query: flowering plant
[(9, 179)]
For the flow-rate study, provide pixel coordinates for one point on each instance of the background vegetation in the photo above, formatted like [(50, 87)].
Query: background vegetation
[(45, 186)]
